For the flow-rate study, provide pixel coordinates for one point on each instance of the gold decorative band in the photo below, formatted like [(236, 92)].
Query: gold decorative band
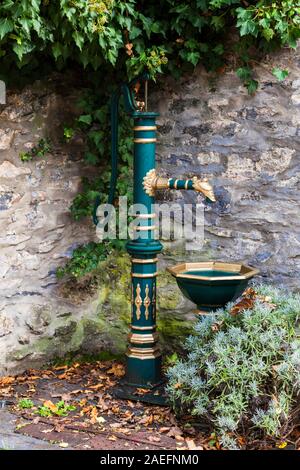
[(144, 228), (142, 354), (142, 338), (145, 128), (144, 261), (145, 140), (143, 351), (142, 328), (146, 216), (144, 275), (186, 184)]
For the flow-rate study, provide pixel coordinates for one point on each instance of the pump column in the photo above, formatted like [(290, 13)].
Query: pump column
[(143, 357)]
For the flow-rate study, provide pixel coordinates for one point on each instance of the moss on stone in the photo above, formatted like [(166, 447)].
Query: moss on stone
[(103, 330), (168, 294), (173, 331)]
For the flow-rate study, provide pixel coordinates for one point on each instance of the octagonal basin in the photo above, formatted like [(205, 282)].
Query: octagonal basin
[(212, 284)]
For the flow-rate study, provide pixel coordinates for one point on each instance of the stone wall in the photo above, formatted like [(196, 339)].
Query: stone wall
[(248, 147)]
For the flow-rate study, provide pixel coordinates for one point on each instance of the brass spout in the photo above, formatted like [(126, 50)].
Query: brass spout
[(152, 182), (204, 187)]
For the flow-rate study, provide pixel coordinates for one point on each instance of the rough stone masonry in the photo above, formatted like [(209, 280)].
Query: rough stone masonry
[(248, 146)]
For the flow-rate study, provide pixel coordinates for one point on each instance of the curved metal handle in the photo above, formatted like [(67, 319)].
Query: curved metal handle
[(131, 106)]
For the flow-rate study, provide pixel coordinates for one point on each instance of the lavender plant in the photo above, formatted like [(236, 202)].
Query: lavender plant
[(242, 372)]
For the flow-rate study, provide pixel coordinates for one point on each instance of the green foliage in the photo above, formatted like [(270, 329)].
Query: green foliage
[(87, 258), (58, 409), (123, 38), (84, 259), (48, 408), (44, 411), (277, 22), (25, 403), (69, 133), (245, 74), (171, 359), (95, 124), (242, 372), (149, 59), (172, 36), (38, 151), (280, 74)]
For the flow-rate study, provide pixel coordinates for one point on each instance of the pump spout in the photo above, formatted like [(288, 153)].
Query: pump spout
[(152, 182), (203, 186)]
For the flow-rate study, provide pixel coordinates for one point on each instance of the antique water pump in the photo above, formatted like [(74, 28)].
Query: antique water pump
[(143, 356)]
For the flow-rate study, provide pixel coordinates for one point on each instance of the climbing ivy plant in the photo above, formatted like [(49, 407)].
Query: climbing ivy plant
[(134, 35), (111, 40)]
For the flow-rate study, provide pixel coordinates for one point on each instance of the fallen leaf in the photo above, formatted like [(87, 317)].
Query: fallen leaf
[(59, 427), (6, 380), (124, 431), (101, 420), (154, 439), (192, 446), (241, 440), (141, 391), (146, 420), (281, 445), (177, 385), (94, 415), (117, 370), (96, 387), (102, 404), (50, 405), (164, 429), (245, 304), (46, 431), (21, 425), (86, 410), (60, 368), (63, 444), (250, 292), (174, 432), (62, 376)]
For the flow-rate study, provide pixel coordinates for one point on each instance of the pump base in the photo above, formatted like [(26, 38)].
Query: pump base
[(153, 396)]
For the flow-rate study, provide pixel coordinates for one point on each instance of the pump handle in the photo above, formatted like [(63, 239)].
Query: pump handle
[(130, 106)]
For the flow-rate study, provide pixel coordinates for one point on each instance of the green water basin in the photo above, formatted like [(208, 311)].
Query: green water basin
[(211, 285)]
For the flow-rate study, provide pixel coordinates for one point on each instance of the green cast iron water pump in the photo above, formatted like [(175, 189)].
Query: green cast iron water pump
[(143, 356)]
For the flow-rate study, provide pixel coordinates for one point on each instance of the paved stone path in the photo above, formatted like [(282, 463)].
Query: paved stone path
[(11, 440)]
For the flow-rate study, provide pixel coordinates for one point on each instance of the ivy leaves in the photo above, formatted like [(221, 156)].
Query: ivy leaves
[(6, 26), (132, 36), (275, 21), (280, 74), (245, 74)]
